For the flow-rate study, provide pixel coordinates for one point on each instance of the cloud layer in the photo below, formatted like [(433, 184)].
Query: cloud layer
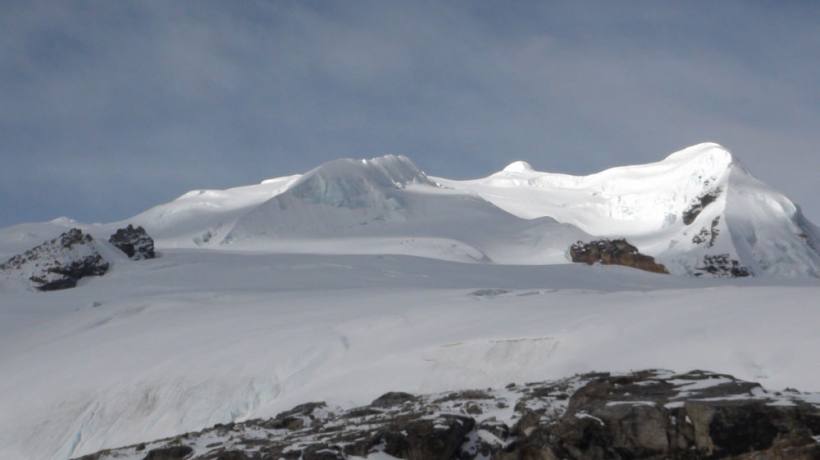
[(111, 107)]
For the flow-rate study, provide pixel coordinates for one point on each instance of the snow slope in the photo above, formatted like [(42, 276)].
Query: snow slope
[(748, 220), (197, 337), (384, 205), (388, 206), (197, 217)]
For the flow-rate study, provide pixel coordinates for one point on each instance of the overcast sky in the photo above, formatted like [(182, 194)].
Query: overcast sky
[(110, 107)]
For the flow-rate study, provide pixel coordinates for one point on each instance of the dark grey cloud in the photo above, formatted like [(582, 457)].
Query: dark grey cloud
[(107, 108)]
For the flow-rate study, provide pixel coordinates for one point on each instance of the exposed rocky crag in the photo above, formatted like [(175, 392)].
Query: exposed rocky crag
[(651, 414), (693, 211), (59, 263), (614, 252), (707, 236), (723, 266), (134, 242)]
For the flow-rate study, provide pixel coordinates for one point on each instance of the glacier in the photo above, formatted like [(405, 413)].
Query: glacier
[(361, 277)]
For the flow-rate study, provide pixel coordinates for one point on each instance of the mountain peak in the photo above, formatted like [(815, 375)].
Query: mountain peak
[(393, 171), (518, 167), (710, 153)]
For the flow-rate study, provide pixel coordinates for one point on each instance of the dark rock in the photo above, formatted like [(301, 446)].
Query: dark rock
[(648, 414), (60, 263), (233, 455), (393, 398), (426, 439), (708, 236), (134, 242), (693, 211), (614, 252), (492, 292), (722, 266), (297, 418), (169, 453), (473, 409), (465, 395), (305, 409), (363, 412)]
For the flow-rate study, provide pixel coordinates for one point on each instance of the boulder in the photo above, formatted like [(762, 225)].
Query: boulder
[(134, 242)]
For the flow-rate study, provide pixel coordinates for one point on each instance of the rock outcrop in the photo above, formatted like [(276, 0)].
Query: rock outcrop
[(708, 236), (722, 266), (614, 252), (134, 242), (649, 414), (693, 211), (59, 263)]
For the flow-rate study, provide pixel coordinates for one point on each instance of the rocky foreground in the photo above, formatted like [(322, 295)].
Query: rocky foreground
[(651, 414)]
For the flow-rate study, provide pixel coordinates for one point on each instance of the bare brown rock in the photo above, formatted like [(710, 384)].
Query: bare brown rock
[(614, 252)]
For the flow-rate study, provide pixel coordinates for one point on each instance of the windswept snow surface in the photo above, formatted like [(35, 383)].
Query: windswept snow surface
[(198, 337)]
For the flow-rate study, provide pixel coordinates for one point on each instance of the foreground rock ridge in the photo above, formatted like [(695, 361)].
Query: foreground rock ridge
[(651, 414)]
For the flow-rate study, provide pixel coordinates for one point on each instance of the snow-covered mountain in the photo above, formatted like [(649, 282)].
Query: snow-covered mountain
[(310, 287), (698, 212), (694, 207), (383, 205)]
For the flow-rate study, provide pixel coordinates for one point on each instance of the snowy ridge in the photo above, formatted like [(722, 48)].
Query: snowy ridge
[(336, 195), (695, 204), (699, 212), (387, 205), (196, 217)]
